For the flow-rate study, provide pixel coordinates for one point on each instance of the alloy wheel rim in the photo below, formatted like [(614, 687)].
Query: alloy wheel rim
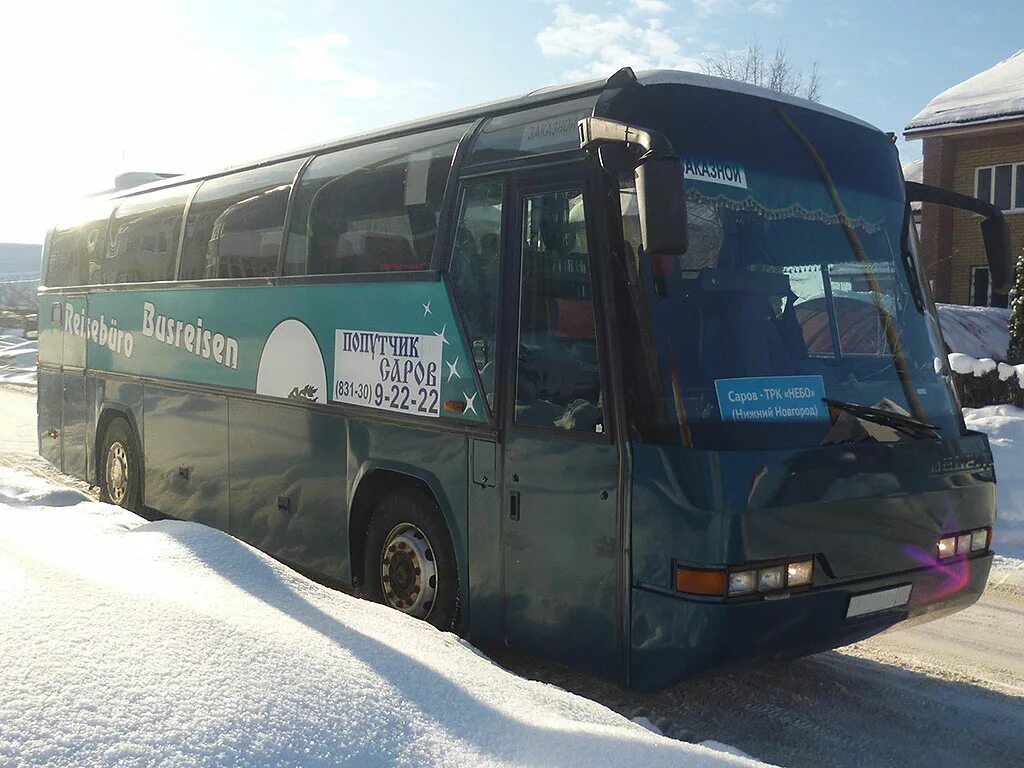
[(117, 472), (408, 572)]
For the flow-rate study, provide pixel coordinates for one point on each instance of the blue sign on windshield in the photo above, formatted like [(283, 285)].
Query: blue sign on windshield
[(772, 398)]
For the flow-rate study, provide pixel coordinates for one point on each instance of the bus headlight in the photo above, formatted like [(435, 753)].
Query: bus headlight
[(947, 547), (742, 582), (770, 578), (979, 540), (963, 544), (800, 574)]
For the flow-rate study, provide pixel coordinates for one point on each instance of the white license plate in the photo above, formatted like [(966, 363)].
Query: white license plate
[(873, 602)]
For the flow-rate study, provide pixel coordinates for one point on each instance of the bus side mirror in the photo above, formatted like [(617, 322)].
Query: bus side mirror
[(994, 229), (660, 190), (999, 252), (661, 203)]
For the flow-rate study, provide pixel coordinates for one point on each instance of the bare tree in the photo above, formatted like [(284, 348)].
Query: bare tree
[(754, 67)]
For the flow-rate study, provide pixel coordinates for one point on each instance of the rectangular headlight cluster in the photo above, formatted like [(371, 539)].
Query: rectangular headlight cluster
[(963, 544), (771, 578), (744, 580)]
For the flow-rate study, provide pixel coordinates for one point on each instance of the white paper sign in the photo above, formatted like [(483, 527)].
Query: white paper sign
[(391, 371), (715, 172)]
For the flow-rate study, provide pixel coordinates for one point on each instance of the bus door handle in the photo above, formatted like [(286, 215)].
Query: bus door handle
[(513, 505)]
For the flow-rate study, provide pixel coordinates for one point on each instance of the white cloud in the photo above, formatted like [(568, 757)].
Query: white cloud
[(319, 59), (604, 43), (651, 6), (716, 7)]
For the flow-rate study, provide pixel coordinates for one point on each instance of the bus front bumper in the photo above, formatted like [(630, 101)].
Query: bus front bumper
[(673, 637)]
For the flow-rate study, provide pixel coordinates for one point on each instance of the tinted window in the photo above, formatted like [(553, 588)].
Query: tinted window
[(985, 184), (372, 208), (1019, 194), (76, 251), (557, 382), (532, 132), (474, 274), (1002, 187), (235, 223), (144, 237)]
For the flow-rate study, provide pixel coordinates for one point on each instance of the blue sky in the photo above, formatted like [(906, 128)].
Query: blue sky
[(92, 89)]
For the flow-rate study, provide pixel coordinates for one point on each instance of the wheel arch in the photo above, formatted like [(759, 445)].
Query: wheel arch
[(109, 412), (373, 482)]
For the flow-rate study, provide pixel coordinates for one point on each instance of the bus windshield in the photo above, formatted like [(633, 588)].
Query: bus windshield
[(798, 284)]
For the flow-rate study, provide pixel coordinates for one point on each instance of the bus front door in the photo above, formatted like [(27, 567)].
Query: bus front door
[(560, 478)]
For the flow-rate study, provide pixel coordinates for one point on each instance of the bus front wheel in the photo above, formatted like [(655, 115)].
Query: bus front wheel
[(120, 466), (409, 562)]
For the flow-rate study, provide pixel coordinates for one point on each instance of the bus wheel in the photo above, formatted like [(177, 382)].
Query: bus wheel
[(120, 467), (409, 563)]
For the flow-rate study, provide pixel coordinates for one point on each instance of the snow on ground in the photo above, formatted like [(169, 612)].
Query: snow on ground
[(133, 643), (17, 358), (976, 331), (1004, 425)]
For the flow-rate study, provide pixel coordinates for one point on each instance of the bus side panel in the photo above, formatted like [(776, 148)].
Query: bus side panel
[(75, 411), (288, 484), (50, 395), (186, 454), (438, 459)]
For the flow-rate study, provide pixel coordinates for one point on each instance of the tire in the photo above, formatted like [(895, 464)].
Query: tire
[(407, 542), (119, 464)]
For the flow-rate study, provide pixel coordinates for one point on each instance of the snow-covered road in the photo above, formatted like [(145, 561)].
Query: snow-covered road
[(950, 693)]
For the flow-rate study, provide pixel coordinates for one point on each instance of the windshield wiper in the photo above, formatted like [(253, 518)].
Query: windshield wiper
[(905, 424)]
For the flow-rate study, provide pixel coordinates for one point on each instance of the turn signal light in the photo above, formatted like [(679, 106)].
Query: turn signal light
[(700, 581)]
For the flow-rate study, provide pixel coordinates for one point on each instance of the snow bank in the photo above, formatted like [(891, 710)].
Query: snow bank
[(170, 643), (996, 93), (967, 365), (17, 359), (1004, 425), (976, 331)]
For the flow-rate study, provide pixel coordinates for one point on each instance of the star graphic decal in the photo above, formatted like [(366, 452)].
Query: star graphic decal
[(470, 408), (440, 334), (453, 369), (426, 309)]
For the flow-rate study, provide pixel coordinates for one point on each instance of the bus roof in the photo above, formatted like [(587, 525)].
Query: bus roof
[(548, 95)]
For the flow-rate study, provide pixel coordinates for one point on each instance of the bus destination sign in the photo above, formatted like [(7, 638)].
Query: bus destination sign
[(390, 371), (772, 398)]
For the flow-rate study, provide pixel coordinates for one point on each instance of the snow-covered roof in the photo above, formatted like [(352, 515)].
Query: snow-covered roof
[(914, 171), (995, 94)]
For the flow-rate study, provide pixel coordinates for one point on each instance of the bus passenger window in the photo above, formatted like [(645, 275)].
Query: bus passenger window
[(558, 381), (474, 274), (144, 236), (76, 251), (371, 208), (235, 223)]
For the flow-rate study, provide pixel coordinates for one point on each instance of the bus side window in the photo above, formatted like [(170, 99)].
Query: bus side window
[(558, 381), (474, 274), (371, 208), (76, 252), (144, 236), (235, 224)]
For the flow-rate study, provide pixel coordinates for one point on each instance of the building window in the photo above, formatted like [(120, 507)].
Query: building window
[(981, 287), (1001, 185)]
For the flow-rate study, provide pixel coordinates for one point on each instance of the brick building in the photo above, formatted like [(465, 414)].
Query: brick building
[(973, 142)]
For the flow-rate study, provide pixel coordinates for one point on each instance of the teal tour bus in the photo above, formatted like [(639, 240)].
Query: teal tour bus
[(640, 374)]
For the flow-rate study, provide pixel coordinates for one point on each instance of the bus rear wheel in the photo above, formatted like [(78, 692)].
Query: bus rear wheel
[(120, 466), (409, 562)]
